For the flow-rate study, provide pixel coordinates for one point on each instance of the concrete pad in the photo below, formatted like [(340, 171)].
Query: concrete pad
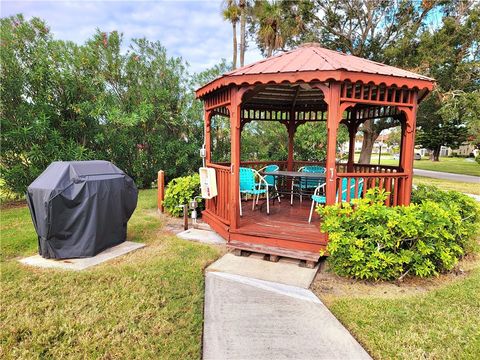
[(283, 272), (203, 236), (83, 263), (253, 319)]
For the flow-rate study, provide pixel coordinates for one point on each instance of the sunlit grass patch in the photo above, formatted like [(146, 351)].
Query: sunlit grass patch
[(146, 304)]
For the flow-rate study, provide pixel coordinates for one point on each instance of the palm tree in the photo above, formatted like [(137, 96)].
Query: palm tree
[(244, 6), (276, 23), (231, 12)]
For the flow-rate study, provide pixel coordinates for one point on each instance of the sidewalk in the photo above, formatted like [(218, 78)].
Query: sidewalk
[(249, 318)]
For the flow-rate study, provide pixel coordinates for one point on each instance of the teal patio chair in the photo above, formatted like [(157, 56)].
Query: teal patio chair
[(321, 199), (270, 179), (249, 186), (306, 184)]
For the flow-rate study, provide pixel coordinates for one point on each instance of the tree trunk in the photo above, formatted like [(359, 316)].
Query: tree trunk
[(435, 156), (369, 137), (234, 28), (242, 32)]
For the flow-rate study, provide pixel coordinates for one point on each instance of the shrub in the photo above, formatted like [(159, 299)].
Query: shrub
[(180, 191), (372, 241), (467, 207)]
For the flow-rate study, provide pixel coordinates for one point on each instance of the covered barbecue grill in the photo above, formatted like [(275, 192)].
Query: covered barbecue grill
[(80, 208)]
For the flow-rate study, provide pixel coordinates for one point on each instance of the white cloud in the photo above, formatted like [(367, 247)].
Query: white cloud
[(193, 30)]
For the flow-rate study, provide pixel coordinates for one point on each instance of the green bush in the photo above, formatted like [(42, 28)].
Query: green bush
[(467, 207), (180, 191), (372, 241)]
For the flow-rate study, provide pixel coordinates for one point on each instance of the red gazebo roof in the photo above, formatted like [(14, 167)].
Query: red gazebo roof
[(311, 62)]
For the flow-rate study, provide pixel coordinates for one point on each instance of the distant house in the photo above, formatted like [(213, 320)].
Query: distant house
[(466, 150)]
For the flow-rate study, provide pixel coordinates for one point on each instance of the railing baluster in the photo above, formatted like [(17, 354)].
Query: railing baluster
[(388, 188), (395, 191)]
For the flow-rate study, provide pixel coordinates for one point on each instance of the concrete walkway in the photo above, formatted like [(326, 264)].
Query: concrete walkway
[(248, 318), (473, 196), (447, 176)]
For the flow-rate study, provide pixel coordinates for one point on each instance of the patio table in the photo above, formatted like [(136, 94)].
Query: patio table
[(293, 175)]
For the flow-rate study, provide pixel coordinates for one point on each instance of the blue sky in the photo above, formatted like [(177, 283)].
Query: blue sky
[(191, 29)]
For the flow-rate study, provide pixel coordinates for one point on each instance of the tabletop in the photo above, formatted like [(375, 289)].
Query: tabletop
[(295, 174)]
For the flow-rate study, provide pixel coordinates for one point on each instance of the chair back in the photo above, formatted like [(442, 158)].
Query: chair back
[(351, 188), (270, 179), (314, 169), (247, 179), (312, 183)]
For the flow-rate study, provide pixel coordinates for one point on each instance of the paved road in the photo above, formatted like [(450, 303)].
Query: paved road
[(447, 176)]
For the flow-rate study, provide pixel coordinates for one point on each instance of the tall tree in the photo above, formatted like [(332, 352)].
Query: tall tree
[(243, 6), (451, 55), (63, 101), (382, 31), (275, 23), (231, 12)]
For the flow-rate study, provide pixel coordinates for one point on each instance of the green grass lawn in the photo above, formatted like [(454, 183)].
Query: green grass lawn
[(450, 165), (468, 188), (147, 304), (437, 324)]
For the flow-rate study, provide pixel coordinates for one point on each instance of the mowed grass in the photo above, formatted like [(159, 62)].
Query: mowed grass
[(147, 304), (453, 165), (439, 324), (469, 188)]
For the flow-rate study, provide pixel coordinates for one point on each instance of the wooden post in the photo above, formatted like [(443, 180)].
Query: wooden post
[(235, 109), (333, 119), (291, 139), (208, 136), (185, 217), (160, 191), (352, 131), (408, 151)]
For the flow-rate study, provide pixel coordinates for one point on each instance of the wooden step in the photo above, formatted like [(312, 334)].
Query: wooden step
[(310, 257)]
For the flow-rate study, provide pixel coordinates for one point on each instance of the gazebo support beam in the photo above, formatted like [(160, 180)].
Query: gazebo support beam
[(208, 135), (408, 150), (291, 139), (235, 125), (352, 132), (333, 120)]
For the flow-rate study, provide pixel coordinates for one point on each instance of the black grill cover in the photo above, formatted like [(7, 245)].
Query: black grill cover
[(80, 208)]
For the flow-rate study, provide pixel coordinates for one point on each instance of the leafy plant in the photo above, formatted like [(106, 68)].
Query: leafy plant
[(368, 240), (180, 191)]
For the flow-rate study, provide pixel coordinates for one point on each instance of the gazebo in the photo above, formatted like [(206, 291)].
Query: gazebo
[(308, 84)]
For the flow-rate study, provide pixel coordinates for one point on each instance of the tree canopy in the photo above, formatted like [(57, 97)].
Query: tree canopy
[(435, 38), (62, 101)]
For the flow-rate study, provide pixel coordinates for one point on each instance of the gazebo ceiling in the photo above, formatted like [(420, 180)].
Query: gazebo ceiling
[(285, 97), (309, 63)]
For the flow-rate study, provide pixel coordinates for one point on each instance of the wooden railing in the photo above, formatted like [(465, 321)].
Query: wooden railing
[(390, 182), (297, 164), (341, 167), (384, 177), (372, 168), (219, 205), (260, 164)]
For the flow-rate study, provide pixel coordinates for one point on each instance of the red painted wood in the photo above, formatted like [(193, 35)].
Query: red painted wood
[(352, 131), (285, 221), (333, 119), (208, 135), (362, 93), (216, 224), (235, 110)]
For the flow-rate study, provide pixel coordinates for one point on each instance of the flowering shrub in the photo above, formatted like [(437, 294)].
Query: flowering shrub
[(180, 191), (372, 241)]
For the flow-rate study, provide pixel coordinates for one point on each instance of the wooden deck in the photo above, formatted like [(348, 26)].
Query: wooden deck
[(285, 232), (284, 222)]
